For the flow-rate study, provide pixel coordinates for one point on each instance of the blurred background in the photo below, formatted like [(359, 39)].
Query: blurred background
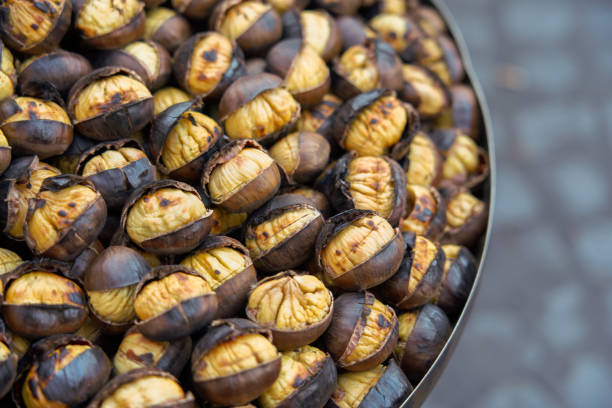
[(540, 334)]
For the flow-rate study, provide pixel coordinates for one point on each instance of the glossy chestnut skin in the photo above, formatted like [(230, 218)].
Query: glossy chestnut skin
[(466, 217), (303, 155), (460, 270), (463, 112), (418, 347), (341, 7), (426, 212), (295, 25), (242, 386), (54, 373), (195, 9), (171, 32), (352, 314), (83, 261), (353, 31)]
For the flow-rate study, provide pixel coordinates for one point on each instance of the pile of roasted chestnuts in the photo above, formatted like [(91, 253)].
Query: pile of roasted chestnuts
[(232, 202)]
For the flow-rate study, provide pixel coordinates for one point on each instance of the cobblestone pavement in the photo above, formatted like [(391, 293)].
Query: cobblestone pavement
[(541, 329)]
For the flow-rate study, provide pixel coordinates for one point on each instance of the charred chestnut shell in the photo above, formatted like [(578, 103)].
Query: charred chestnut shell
[(363, 332), (238, 387), (466, 217), (8, 365), (166, 27), (308, 25), (426, 212), (463, 113), (457, 279), (320, 117), (115, 115)]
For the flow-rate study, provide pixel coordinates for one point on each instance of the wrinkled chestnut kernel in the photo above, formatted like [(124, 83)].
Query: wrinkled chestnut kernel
[(65, 217), (426, 212), (224, 222), (399, 7), (225, 264), (241, 177), (8, 365), (440, 55), (120, 26), (422, 335), (110, 103), (166, 27), (67, 162), (254, 25), (466, 218), (307, 379), (258, 107), (165, 218), (40, 301), (380, 387), (144, 387), (110, 282), (35, 126), (353, 31), (207, 63), (421, 160), (34, 27), (313, 197), (8, 261), (5, 153), (457, 279), (464, 112), (61, 371), (8, 74), (317, 28), (417, 281), (116, 169), (167, 97), (319, 118), (363, 331), (282, 6), (399, 31), (358, 249), (424, 90), (296, 308), (342, 7), (372, 122), (303, 155), (195, 9), (430, 21), (235, 362), (304, 72)]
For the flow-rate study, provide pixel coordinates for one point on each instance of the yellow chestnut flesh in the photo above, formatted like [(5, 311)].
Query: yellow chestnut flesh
[(406, 324), (112, 159), (166, 97), (146, 54), (352, 387), (155, 19), (217, 265), (313, 118), (136, 348), (7, 65), (392, 29), (6, 86), (32, 108), (286, 152), (460, 208), (114, 305), (223, 221), (241, 17), (425, 252), (8, 261), (431, 95), (451, 253), (4, 352), (210, 60), (38, 287), (359, 68), (145, 392), (371, 185), (32, 21), (462, 158), (416, 221), (316, 29), (151, 259), (307, 71), (423, 161), (116, 13)]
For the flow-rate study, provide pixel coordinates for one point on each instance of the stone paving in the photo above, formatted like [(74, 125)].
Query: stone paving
[(541, 329)]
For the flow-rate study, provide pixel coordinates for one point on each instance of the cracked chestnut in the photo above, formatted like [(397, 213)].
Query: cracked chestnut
[(9, 261), (426, 212), (303, 155), (424, 90), (234, 362), (340, 7), (194, 9), (466, 218), (401, 32), (285, 6), (67, 162), (353, 31), (8, 364), (5, 153), (225, 222), (8, 74), (421, 160), (166, 27), (315, 27), (83, 261), (319, 118), (430, 21), (313, 197), (440, 55), (167, 97), (457, 279), (463, 113)]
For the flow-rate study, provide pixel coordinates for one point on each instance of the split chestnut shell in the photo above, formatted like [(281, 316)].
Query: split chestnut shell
[(426, 212), (458, 277)]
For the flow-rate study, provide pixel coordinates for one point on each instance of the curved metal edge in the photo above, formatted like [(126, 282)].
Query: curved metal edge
[(424, 387)]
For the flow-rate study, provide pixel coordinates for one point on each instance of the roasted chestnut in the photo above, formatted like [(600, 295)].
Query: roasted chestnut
[(457, 279), (166, 217), (34, 27), (421, 160), (424, 90), (253, 24), (296, 308), (307, 379), (372, 122), (67, 162), (430, 21), (144, 387), (121, 24), (207, 63), (225, 264), (379, 387), (303, 155), (241, 177), (235, 362), (358, 249), (39, 300), (400, 32), (8, 75), (353, 31), (319, 118), (440, 55), (369, 183), (152, 259), (284, 6), (8, 261), (166, 97), (363, 331), (91, 331), (166, 27), (173, 302), (255, 66), (182, 140), (110, 103), (225, 222), (466, 218), (8, 365), (304, 72), (342, 7), (116, 169), (426, 212), (195, 9), (5, 153), (399, 7), (110, 282), (83, 261), (422, 335), (35, 126), (463, 113), (258, 107), (317, 28), (312, 196), (365, 67)]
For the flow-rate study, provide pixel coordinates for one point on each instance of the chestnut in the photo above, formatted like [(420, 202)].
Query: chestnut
[(116, 169), (110, 282), (358, 249), (285, 6), (466, 218), (21, 182), (353, 31), (313, 197), (363, 331), (241, 177), (110, 103), (365, 67), (120, 26), (341, 7), (83, 261), (463, 113), (421, 159), (35, 126), (399, 7), (400, 31), (168, 96), (296, 308), (418, 279), (253, 24), (152, 259), (372, 122), (424, 90), (35, 27), (166, 27), (258, 107), (182, 140), (303, 155), (441, 56), (234, 362), (317, 28), (430, 20), (144, 387), (426, 212), (5, 153), (59, 68), (8, 365), (8, 75), (9, 260), (255, 66), (319, 118), (150, 4), (207, 63), (457, 279), (225, 264), (369, 183), (307, 379), (91, 331), (225, 222), (166, 217), (422, 335), (194, 9), (66, 163), (380, 387), (39, 300)]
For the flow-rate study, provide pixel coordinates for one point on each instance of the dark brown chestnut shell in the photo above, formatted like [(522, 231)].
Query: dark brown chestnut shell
[(472, 229), (8, 367), (353, 31), (312, 156), (419, 208), (172, 33), (312, 196), (194, 9), (82, 263), (340, 7), (5, 158), (457, 280), (464, 112), (320, 118), (292, 28)]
